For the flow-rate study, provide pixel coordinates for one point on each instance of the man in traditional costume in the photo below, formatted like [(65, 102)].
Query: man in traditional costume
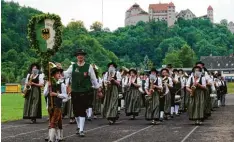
[(133, 95), (56, 92), (196, 86), (153, 86), (112, 81), (82, 79), (32, 104)]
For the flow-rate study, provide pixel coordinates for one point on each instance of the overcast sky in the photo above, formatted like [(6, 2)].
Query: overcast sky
[(90, 11)]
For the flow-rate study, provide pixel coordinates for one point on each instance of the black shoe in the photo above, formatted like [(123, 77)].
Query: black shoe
[(89, 119), (78, 131), (46, 139), (172, 116), (111, 122), (161, 119), (81, 134)]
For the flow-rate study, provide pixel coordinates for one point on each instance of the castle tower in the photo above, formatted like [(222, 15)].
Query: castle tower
[(171, 16), (210, 14)]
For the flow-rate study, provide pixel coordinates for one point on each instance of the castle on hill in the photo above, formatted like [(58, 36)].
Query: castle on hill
[(159, 12)]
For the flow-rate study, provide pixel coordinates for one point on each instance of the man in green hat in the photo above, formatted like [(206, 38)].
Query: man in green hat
[(82, 79)]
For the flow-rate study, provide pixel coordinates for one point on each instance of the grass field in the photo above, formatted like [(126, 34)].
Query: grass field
[(12, 107), (230, 88)]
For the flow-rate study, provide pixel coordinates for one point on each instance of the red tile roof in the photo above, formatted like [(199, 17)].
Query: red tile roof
[(160, 6), (209, 8)]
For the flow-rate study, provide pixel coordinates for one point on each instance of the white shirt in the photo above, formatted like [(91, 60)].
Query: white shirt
[(41, 78), (147, 82), (139, 82), (91, 73), (118, 76), (99, 81), (63, 94), (192, 78)]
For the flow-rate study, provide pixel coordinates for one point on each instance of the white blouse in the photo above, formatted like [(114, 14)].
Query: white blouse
[(192, 78), (147, 82), (139, 82), (41, 78), (118, 75)]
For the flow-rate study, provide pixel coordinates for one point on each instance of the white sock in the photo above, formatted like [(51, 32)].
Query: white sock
[(90, 112), (52, 134), (82, 122), (122, 103), (219, 102), (172, 110), (77, 122), (176, 109), (118, 108), (57, 135), (61, 134), (161, 114)]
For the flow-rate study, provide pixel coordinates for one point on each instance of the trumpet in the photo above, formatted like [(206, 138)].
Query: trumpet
[(28, 87)]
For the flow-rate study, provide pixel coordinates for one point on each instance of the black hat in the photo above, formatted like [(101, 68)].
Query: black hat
[(112, 63), (164, 69), (54, 70), (153, 69), (200, 69), (175, 70), (80, 52), (169, 65), (200, 62), (181, 70), (34, 64), (133, 70)]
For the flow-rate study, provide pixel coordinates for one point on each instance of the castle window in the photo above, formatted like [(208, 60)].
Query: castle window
[(218, 64), (226, 64)]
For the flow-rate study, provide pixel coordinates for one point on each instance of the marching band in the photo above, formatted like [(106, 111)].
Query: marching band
[(80, 93)]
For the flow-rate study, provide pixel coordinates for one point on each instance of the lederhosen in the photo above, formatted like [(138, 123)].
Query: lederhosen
[(55, 112), (32, 104), (81, 88)]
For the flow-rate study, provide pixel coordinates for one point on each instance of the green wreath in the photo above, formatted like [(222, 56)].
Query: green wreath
[(34, 43)]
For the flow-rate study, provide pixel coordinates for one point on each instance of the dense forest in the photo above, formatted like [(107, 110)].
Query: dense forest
[(141, 46)]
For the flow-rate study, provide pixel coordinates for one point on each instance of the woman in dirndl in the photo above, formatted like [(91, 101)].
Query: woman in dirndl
[(32, 104), (133, 95), (112, 81), (196, 86), (153, 86)]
